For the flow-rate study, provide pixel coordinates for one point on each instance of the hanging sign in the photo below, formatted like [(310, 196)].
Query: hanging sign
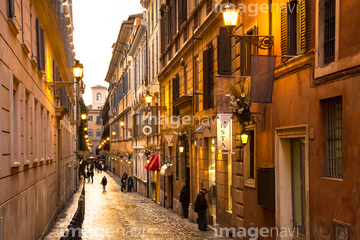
[(224, 135), (168, 137), (224, 118)]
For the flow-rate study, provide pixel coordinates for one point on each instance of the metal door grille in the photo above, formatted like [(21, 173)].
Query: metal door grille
[(334, 137), (329, 31)]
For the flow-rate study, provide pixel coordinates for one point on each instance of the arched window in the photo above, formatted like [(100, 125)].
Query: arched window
[(98, 96), (98, 132), (90, 133)]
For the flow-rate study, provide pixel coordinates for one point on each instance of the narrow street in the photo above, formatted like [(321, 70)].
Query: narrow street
[(117, 215)]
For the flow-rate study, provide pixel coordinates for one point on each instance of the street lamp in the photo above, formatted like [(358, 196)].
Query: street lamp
[(230, 15), (83, 116), (85, 129), (78, 70), (181, 149), (244, 136), (148, 98), (113, 133), (108, 138), (122, 123), (86, 136), (148, 161)]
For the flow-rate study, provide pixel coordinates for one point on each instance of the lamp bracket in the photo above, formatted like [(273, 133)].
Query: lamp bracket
[(262, 42), (58, 84)]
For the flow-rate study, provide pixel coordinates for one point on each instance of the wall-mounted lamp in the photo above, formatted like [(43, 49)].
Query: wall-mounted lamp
[(113, 133), (83, 116), (230, 15), (181, 149), (122, 123), (244, 136), (213, 149)]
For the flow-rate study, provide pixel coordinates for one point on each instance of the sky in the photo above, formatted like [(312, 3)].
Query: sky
[(96, 27)]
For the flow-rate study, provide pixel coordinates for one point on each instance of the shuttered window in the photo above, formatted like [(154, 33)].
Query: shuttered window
[(40, 38), (208, 74), (209, 6), (11, 8), (163, 35), (196, 19), (246, 50), (293, 28), (182, 12), (329, 30), (175, 93), (224, 51)]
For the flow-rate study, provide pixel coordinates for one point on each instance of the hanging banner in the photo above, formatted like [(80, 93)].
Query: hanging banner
[(224, 136), (225, 119), (168, 137)]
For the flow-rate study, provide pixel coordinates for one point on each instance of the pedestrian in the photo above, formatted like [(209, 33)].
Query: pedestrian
[(125, 175), (123, 183), (201, 207), (130, 184), (185, 200), (104, 183), (92, 176)]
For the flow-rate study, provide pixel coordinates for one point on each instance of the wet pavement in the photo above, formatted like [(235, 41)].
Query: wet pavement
[(121, 215)]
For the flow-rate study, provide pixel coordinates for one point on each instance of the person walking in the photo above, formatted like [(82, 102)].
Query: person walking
[(185, 200), (92, 176), (201, 207), (123, 183), (104, 183), (130, 184)]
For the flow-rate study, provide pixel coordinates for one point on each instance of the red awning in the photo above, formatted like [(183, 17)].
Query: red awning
[(150, 160), (154, 164)]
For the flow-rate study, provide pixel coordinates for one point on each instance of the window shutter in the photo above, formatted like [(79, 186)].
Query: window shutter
[(196, 20), (303, 26), (207, 78), (38, 45), (11, 8), (42, 45), (163, 34), (224, 51), (209, 6), (181, 12), (284, 33), (243, 57), (175, 84)]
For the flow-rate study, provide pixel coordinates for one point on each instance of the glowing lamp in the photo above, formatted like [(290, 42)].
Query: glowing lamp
[(181, 149), (244, 136), (230, 15)]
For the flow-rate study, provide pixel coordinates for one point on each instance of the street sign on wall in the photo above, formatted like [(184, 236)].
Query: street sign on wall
[(224, 136)]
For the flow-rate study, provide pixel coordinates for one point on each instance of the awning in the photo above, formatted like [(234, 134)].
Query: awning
[(166, 170), (154, 164)]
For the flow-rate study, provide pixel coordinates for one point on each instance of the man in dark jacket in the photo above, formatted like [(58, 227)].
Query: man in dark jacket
[(185, 200), (201, 207), (123, 183), (104, 183), (130, 184)]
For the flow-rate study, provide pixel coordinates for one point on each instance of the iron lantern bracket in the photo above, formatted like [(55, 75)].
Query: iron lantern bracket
[(262, 42), (59, 84)]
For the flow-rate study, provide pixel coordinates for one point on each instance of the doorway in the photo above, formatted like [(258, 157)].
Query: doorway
[(212, 181), (292, 181), (298, 185)]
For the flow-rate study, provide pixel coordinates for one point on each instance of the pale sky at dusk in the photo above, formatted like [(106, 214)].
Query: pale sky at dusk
[(96, 27)]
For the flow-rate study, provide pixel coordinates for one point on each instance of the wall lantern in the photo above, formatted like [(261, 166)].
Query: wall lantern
[(113, 133), (148, 98), (122, 123), (86, 136), (108, 138), (78, 69), (230, 15), (181, 149), (147, 161), (85, 129), (244, 136), (83, 116)]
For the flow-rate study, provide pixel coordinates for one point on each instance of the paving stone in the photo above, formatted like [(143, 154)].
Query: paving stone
[(121, 215)]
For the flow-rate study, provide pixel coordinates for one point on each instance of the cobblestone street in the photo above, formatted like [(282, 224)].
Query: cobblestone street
[(117, 215)]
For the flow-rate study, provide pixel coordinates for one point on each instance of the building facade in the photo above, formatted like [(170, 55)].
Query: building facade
[(37, 156), (94, 118)]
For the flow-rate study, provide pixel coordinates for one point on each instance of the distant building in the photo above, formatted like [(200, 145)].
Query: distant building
[(94, 119)]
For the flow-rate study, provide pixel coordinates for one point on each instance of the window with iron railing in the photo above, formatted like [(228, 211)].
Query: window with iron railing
[(334, 153)]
